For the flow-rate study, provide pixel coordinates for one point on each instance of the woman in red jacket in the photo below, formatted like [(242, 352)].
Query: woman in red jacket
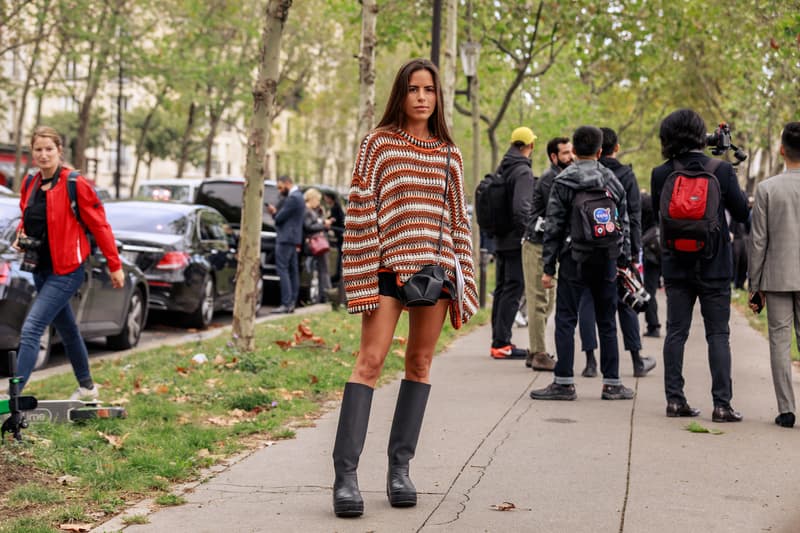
[(56, 246)]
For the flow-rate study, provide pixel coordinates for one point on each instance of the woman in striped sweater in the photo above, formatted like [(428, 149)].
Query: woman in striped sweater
[(396, 208)]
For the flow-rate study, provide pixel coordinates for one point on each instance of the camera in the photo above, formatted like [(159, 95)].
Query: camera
[(31, 247), (630, 290), (720, 142)]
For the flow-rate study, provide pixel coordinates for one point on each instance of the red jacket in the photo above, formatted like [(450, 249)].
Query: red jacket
[(69, 245)]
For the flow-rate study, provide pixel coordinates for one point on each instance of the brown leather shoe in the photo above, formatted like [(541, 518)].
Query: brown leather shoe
[(543, 361), (675, 409), (726, 414)]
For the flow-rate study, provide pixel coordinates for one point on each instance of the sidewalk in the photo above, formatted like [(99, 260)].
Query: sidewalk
[(583, 466)]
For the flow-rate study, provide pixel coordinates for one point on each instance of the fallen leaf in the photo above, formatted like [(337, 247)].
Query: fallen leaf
[(694, 427), (336, 348), (313, 379), (114, 440), (285, 345), (304, 331), (773, 43), (75, 527), (220, 421), (399, 353), (203, 453), (298, 393), (212, 383), (400, 340), (505, 506), (182, 371), (219, 360), (162, 389), (181, 399)]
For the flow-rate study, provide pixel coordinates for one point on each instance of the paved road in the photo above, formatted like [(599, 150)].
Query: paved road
[(583, 466)]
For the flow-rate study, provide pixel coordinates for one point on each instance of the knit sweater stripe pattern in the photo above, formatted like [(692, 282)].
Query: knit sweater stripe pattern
[(395, 206)]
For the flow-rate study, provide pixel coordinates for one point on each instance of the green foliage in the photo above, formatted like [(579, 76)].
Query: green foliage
[(170, 500), (694, 427)]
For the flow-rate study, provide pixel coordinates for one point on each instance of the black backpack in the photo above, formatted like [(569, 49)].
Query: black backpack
[(72, 191), (689, 211), (493, 205), (595, 227)]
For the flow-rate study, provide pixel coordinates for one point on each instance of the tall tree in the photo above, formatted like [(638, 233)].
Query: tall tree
[(248, 273), (366, 68)]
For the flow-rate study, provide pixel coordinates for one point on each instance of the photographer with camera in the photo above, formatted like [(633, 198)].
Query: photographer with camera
[(56, 245), (696, 253)]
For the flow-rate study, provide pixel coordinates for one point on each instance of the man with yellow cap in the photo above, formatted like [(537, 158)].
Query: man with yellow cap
[(515, 168)]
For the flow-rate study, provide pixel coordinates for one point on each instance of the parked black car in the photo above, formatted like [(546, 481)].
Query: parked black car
[(226, 196), (187, 254), (101, 310)]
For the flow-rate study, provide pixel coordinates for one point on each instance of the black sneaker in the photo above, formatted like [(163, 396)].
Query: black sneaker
[(617, 392), (654, 332), (643, 366), (555, 391)]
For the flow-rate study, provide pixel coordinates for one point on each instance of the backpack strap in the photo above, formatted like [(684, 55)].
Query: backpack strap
[(72, 191), (26, 185)]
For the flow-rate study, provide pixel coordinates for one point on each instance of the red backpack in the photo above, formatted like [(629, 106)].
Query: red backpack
[(689, 210)]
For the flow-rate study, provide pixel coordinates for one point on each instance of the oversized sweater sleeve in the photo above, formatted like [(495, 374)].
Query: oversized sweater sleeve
[(361, 246), (461, 233)]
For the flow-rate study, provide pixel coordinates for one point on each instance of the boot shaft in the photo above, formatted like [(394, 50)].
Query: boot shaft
[(407, 423), (352, 429)]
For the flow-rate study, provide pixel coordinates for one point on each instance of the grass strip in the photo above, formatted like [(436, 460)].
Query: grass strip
[(183, 416)]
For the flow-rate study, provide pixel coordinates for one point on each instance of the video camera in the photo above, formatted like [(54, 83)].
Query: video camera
[(720, 142)]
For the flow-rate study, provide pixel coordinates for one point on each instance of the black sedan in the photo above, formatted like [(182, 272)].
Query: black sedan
[(186, 252), (101, 310)]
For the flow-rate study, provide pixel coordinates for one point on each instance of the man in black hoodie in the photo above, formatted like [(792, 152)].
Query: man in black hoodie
[(691, 277), (587, 233), (516, 171)]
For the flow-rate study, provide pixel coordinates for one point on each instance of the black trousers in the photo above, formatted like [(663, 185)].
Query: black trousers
[(573, 280), (652, 273), (715, 306), (628, 324), (509, 286)]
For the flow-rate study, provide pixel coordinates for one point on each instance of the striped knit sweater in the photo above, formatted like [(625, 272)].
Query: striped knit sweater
[(395, 206)]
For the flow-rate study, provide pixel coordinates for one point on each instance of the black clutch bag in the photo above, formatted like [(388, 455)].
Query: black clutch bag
[(424, 287)]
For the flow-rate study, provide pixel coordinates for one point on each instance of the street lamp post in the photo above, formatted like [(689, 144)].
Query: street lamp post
[(470, 54)]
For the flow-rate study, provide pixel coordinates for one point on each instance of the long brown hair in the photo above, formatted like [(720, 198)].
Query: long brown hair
[(395, 117), (47, 133)]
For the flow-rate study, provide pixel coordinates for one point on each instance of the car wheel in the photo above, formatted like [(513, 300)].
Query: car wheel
[(133, 325), (204, 313), (45, 344)]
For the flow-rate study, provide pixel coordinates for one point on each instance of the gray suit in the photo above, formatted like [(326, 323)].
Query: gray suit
[(774, 266)]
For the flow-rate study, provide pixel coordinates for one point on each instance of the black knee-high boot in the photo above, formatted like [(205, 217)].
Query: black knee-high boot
[(403, 438), (350, 436)]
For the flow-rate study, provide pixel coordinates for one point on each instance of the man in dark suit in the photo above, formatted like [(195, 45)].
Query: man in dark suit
[(289, 227), (692, 276)]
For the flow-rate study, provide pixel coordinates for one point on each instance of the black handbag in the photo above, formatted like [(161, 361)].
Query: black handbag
[(425, 286)]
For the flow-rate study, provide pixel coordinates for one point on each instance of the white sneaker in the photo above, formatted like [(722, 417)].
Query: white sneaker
[(521, 320), (85, 394)]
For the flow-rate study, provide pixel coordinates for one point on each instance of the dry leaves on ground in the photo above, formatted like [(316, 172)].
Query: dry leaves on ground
[(75, 527), (505, 506)]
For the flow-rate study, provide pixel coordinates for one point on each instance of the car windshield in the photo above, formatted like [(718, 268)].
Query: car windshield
[(174, 193), (135, 217)]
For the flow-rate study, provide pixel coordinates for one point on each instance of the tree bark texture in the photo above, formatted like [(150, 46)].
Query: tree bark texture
[(249, 269), (366, 69)]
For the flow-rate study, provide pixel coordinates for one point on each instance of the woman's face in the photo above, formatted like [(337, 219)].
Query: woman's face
[(46, 155), (312, 203), (421, 99)]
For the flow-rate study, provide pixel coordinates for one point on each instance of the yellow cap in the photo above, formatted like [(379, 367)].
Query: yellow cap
[(523, 135)]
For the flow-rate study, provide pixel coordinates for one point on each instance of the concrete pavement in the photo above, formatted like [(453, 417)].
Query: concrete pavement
[(582, 466)]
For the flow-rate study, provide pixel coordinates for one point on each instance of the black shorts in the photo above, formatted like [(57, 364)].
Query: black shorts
[(387, 286)]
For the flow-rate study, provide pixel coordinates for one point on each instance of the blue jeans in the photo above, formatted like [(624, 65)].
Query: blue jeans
[(52, 306), (289, 273)]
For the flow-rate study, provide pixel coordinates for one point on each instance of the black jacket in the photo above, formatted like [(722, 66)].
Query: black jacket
[(582, 174), (541, 193), (733, 199), (516, 169), (627, 178), (648, 218)]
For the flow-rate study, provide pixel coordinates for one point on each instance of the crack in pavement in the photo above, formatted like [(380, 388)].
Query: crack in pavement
[(630, 455), (481, 469)]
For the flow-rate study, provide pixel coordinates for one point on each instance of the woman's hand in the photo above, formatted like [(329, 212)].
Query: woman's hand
[(15, 245), (118, 279)]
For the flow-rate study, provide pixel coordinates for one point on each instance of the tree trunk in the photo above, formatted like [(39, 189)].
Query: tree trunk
[(141, 140), (213, 124), (18, 141), (450, 60), (248, 272), (366, 69), (186, 140)]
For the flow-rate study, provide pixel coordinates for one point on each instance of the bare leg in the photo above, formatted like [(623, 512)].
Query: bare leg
[(377, 332)]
